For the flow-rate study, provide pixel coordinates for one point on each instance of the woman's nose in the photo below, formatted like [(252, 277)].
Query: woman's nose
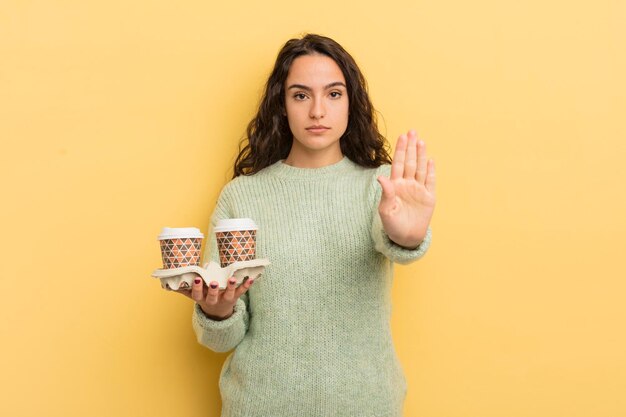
[(317, 109)]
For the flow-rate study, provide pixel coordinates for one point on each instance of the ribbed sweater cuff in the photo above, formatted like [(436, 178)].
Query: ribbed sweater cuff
[(223, 335), (395, 252)]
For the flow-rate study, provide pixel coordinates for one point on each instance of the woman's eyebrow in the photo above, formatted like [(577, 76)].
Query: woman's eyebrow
[(304, 87)]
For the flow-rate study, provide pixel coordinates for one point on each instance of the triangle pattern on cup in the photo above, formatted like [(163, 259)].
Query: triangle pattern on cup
[(177, 253), (236, 246)]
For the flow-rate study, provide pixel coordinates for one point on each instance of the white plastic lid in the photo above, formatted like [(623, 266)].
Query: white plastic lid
[(180, 232), (227, 225)]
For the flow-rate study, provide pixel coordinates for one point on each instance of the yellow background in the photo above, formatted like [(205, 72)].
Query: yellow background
[(118, 118)]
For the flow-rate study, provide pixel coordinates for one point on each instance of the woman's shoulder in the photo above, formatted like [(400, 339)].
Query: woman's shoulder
[(374, 172), (384, 169), (246, 181)]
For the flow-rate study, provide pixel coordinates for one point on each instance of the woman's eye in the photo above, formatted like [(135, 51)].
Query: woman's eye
[(336, 94), (299, 96)]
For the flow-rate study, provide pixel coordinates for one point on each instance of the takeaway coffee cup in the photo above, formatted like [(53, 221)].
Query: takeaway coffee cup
[(236, 240), (180, 246)]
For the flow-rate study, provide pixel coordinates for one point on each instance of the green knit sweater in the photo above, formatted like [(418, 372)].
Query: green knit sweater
[(311, 337)]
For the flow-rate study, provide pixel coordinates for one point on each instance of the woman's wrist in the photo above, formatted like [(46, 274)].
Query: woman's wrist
[(407, 245), (216, 318)]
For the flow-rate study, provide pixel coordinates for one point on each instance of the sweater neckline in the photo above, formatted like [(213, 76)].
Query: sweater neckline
[(281, 169)]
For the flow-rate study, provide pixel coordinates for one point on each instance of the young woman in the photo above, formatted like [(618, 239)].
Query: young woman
[(312, 337)]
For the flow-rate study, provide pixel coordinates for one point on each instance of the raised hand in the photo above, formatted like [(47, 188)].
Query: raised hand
[(408, 200)]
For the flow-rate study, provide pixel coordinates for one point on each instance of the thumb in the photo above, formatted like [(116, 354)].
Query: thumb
[(389, 191)]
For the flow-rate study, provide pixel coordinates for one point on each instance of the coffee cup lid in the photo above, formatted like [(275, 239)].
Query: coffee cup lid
[(227, 225), (180, 232)]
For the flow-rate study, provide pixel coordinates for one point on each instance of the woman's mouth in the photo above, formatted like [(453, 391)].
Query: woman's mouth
[(317, 129)]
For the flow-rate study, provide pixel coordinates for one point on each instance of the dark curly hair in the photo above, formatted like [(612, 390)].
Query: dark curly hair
[(269, 138)]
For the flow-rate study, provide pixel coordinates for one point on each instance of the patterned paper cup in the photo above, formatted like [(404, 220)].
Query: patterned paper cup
[(180, 246), (236, 240)]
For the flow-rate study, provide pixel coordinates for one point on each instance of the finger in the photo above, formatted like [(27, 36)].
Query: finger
[(397, 165), (422, 162), (213, 294), (388, 198), (197, 290), (229, 294), (430, 177), (244, 287), (410, 164)]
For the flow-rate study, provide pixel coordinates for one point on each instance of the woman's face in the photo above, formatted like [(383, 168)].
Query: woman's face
[(316, 101)]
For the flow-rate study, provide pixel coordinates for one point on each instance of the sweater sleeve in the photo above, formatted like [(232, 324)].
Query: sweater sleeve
[(382, 243), (223, 335)]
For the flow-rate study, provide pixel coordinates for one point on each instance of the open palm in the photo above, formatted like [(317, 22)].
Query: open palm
[(408, 200)]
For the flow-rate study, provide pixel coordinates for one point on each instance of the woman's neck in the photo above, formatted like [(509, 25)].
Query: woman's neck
[(313, 159)]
